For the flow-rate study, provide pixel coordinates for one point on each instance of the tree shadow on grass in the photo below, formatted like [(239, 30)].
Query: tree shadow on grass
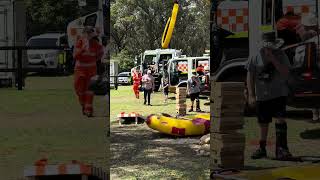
[(310, 134), (153, 151)]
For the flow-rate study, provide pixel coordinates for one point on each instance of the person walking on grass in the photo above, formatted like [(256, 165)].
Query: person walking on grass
[(165, 86), (267, 77), (136, 82), (193, 88), (148, 86), (86, 53)]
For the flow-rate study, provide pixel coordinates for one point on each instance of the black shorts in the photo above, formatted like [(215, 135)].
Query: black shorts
[(271, 108), (194, 96), (166, 91)]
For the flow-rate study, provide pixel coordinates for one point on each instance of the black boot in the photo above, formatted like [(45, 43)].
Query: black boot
[(261, 152), (198, 105), (191, 109), (282, 150)]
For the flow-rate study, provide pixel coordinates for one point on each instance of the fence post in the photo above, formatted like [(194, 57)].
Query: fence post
[(20, 73)]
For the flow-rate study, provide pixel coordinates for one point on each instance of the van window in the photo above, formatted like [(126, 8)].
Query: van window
[(43, 42), (148, 59), (91, 20)]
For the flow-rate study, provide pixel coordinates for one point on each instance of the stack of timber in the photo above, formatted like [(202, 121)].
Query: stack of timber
[(181, 98)]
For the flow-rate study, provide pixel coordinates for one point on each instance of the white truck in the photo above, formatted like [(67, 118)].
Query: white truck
[(12, 33), (156, 60), (94, 19), (260, 16), (180, 69)]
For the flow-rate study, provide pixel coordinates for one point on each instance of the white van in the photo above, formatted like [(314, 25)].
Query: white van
[(48, 58)]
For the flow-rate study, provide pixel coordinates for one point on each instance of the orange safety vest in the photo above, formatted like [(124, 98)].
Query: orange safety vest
[(87, 58), (137, 79)]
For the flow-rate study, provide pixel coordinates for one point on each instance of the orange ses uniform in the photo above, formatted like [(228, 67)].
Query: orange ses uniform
[(136, 83), (85, 69)]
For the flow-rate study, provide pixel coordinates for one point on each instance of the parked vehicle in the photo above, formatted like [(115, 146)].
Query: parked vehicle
[(49, 58), (156, 60), (124, 78), (180, 69)]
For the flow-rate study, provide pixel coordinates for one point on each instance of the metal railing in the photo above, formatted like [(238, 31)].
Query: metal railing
[(19, 69)]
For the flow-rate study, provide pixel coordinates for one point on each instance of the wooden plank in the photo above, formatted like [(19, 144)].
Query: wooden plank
[(227, 85), (234, 162), (229, 100), (234, 137)]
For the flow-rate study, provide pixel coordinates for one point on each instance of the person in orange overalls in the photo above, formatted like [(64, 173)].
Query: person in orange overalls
[(87, 52), (136, 82)]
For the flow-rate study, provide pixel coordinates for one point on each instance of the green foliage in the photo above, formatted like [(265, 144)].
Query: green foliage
[(50, 15), (126, 62), (137, 25)]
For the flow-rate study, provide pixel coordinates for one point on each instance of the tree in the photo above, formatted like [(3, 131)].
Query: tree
[(137, 25), (50, 15)]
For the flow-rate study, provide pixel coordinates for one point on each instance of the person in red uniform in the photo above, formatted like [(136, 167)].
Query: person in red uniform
[(200, 70), (136, 82), (87, 52), (289, 28)]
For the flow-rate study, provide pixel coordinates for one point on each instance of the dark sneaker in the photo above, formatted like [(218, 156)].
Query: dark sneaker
[(145, 103), (259, 153), (89, 114), (149, 105), (190, 110), (283, 154), (83, 113), (198, 110)]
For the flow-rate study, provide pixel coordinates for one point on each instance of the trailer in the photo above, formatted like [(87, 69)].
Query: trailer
[(12, 33)]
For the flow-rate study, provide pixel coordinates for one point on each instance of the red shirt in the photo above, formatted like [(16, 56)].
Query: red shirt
[(289, 22)]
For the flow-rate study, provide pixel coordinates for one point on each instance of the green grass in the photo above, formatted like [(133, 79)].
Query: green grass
[(45, 120), (137, 152), (131, 145), (123, 100)]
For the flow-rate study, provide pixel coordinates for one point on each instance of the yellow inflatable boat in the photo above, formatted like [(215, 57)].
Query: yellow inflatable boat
[(306, 172), (186, 126)]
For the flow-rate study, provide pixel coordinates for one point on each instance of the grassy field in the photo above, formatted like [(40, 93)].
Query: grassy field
[(45, 120), (138, 152)]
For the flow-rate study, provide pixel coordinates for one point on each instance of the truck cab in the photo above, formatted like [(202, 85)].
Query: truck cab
[(157, 60), (180, 69), (304, 79)]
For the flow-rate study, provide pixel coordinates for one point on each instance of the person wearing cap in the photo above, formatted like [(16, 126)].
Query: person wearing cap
[(268, 72), (288, 28), (86, 54), (193, 88), (148, 86)]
